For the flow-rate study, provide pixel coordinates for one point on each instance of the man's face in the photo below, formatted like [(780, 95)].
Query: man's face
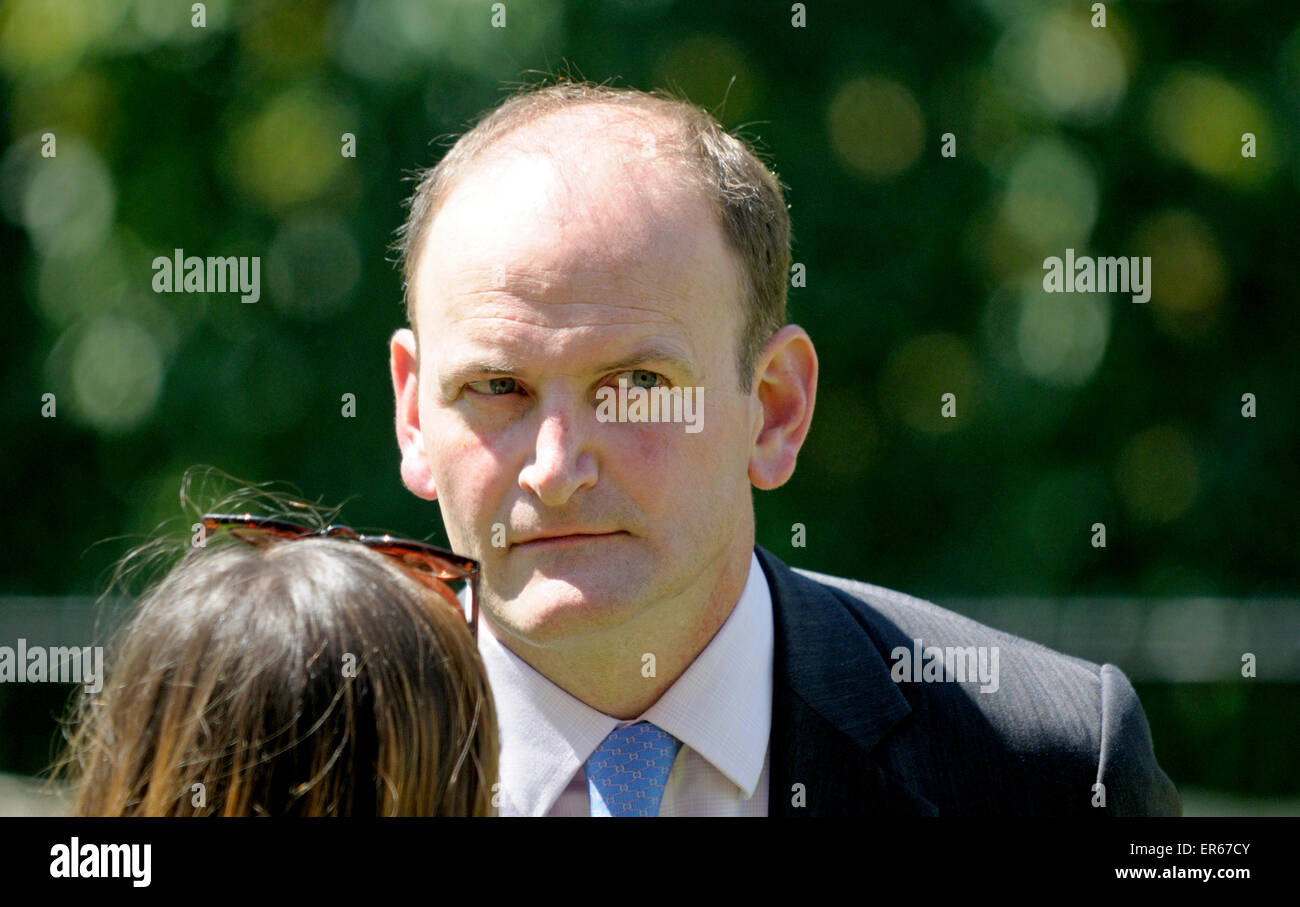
[(537, 285)]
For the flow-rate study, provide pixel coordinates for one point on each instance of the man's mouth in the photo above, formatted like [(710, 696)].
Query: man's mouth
[(550, 540)]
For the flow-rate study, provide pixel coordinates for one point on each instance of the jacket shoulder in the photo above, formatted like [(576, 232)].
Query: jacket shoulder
[(1031, 727), (879, 608)]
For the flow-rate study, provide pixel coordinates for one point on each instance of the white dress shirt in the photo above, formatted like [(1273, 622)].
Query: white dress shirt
[(720, 708)]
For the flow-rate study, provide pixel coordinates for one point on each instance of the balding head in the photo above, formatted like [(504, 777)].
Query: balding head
[(639, 144)]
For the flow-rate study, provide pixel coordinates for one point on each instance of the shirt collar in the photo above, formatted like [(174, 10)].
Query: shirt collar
[(721, 707)]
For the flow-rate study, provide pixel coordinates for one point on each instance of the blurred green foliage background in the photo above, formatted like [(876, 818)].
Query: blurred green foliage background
[(923, 277)]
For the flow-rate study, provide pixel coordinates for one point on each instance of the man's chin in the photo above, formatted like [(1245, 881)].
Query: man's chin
[(551, 610)]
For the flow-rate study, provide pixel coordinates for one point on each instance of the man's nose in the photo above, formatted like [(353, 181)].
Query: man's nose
[(561, 462)]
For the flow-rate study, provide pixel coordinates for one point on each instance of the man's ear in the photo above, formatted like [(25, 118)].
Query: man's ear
[(405, 364), (786, 387)]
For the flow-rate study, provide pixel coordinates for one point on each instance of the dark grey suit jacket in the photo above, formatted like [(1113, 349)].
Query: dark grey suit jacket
[(862, 744)]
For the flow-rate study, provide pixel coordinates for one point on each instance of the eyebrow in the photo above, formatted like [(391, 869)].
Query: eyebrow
[(650, 354), (642, 356)]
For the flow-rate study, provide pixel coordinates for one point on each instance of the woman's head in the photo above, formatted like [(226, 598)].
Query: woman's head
[(300, 677)]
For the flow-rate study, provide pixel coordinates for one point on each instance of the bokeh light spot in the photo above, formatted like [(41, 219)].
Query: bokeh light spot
[(50, 36), (1051, 198), (68, 204), (1055, 63), (1189, 273), (1061, 339), (117, 373), (289, 152), (285, 37), (1078, 69), (920, 372), (1199, 118), (876, 126)]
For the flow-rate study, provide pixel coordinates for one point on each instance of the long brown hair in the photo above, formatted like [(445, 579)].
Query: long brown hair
[(305, 677)]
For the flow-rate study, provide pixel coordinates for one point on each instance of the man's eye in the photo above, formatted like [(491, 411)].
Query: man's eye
[(494, 386), (643, 378)]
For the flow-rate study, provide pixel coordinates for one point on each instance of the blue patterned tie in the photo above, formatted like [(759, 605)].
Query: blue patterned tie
[(627, 772)]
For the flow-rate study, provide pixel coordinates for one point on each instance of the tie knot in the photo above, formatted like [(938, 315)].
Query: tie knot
[(627, 772)]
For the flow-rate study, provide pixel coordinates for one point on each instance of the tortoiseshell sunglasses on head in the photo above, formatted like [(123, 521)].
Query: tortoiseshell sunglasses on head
[(428, 564)]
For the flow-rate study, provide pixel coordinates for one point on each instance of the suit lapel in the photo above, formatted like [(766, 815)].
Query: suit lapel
[(833, 700)]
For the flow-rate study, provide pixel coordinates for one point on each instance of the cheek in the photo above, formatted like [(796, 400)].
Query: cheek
[(464, 466), (640, 458), (666, 470)]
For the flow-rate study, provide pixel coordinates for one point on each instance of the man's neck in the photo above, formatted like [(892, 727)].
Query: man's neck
[(625, 671)]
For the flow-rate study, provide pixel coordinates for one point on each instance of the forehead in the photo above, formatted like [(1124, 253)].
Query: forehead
[(575, 224)]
